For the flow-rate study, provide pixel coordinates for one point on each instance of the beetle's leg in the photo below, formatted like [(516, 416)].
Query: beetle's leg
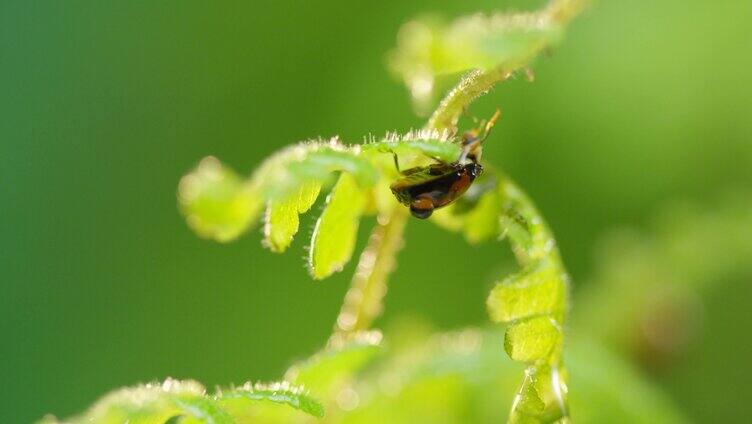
[(394, 157), (473, 140), (465, 151), (396, 162)]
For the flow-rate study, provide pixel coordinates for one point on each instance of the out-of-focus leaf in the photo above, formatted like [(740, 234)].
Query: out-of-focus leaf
[(186, 402), (435, 399), (336, 230), (326, 370), (430, 47), (146, 404), (214, 201), (461, 377), (433, 47), (455, 377)]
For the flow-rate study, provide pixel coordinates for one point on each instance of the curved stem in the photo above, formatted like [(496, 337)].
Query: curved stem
[(473, 85), (363, 301)]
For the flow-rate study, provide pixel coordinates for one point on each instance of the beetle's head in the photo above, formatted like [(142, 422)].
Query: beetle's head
[(472, 140)]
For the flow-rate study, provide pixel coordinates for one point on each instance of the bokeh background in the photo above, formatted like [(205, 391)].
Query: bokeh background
[(104, 105)]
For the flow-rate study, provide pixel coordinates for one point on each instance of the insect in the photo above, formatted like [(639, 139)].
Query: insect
[(426, 188)]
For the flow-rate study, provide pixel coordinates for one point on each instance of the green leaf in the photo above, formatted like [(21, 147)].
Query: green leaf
[(336, 230), (533, 340), (255, 396), (213, 199), (538, 290), (282, 216)]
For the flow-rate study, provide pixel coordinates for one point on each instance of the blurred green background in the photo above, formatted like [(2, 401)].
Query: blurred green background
[(104, 105)]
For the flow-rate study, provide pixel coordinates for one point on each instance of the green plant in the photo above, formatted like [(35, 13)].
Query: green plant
[(220, 205)]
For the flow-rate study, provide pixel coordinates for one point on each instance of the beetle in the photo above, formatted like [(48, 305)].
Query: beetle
[(426, 188)]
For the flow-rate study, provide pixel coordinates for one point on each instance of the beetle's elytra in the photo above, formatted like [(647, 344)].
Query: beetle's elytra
[(434, 186), (426, 188)]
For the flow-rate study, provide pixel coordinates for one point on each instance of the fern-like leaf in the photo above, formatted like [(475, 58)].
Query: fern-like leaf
[(218, 204), (533, 302)]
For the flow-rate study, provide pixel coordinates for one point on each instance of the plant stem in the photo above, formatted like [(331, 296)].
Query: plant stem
[(363, 301), (473, 85)]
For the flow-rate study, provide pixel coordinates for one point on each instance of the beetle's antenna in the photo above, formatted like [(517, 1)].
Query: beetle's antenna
[(490, 124), (472, 143)]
